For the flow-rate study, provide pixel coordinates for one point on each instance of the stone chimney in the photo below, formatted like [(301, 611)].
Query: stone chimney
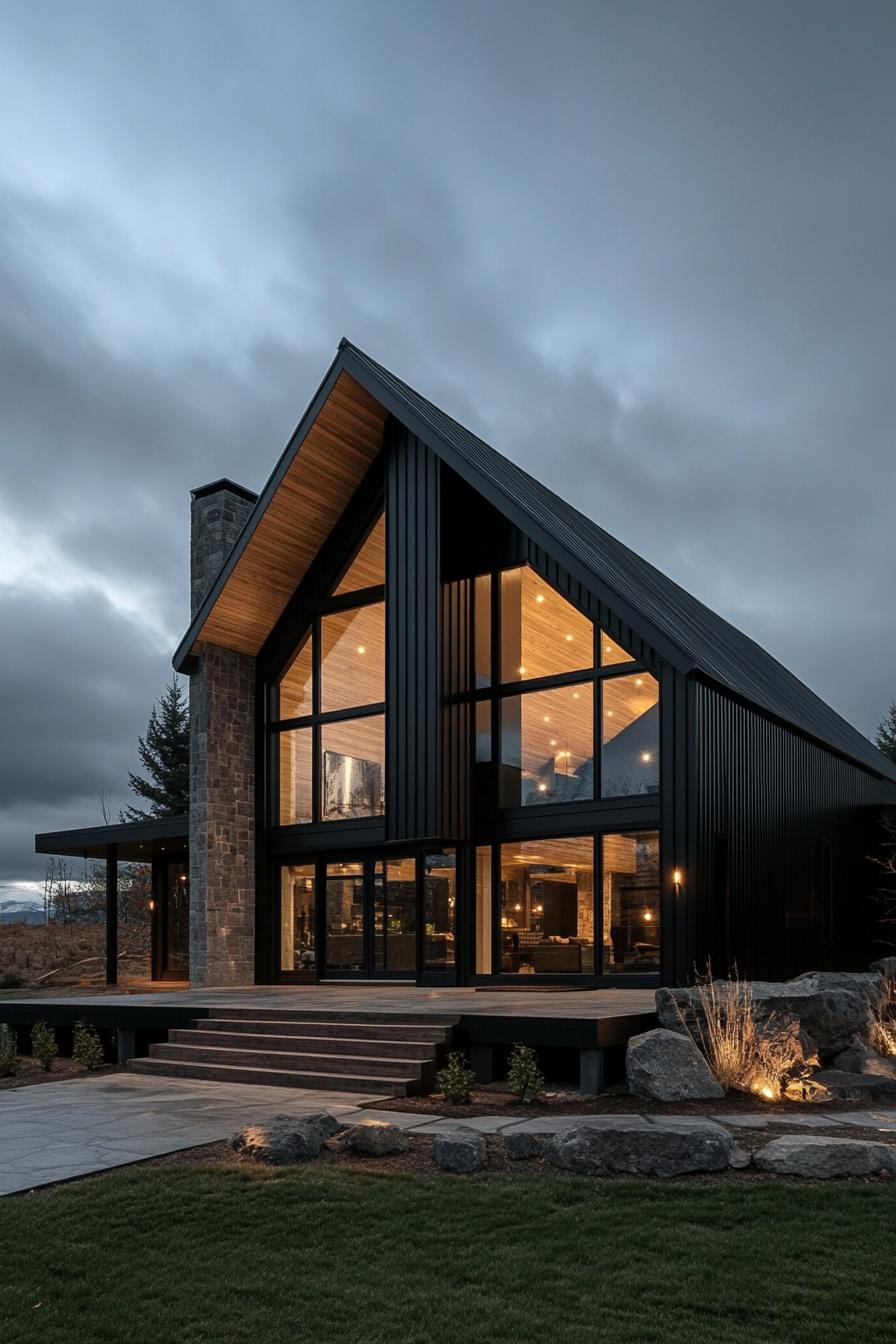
[(218, 514), (222, 763)]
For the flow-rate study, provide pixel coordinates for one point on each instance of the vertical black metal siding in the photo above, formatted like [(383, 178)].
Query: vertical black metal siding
[(776, 876), (412, 636), (456, 724)]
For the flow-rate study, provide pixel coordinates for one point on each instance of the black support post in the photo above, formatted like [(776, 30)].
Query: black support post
[(112, 915)]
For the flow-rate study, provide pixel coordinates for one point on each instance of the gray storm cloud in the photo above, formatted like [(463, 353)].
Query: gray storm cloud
[(644, 249)]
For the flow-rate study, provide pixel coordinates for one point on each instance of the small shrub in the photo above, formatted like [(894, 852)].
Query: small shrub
[(43, 1044), (524, 1078), (87, 1048), (456, 1079), (9, 1059), (10, 980)]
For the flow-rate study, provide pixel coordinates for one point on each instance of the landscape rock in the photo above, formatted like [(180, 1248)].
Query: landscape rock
[(667, 1066), (661, 1148), (830, 1006), (282, 1140), (376, 1139), (860, 1058), (460, 1150), (814, 1155), (886, 967), (521, 1145), (838, 1085)]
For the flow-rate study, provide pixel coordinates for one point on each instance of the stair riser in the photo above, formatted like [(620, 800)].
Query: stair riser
[(320, 1045), (267, 1078), (359, 1031), (322, 1015), (410, 1071)]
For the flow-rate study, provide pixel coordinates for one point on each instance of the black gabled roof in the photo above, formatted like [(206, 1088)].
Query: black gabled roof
[(713, 646), (681, 629)]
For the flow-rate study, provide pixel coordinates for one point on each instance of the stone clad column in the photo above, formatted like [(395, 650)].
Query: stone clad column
[(222, 764)]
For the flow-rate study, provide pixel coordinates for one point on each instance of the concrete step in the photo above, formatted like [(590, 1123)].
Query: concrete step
[(337, 1015), (356, 1029), (410, 1071), (229, 1073), (318, 1045)]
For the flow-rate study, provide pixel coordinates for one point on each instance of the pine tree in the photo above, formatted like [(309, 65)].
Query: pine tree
[(886, 733), (165, 753)]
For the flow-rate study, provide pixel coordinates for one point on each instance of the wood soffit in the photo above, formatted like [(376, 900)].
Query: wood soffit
[(338, 449)]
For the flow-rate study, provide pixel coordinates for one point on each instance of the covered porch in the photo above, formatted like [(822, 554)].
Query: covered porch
[(162, 843)]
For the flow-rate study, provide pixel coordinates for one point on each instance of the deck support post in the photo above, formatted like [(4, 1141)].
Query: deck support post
[(482, 1062), (112, 915), (126, 1047), (591, 1071)]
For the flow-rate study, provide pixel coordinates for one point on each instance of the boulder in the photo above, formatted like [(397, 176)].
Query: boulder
[(838, 1085), (326, 1125), (639, 1147), (886, 967), (460, 1150), (667, 1066), (813, 1155), (520, 1146), (281, 1140), (830, 1006), (376, 1139), (860, 1058)]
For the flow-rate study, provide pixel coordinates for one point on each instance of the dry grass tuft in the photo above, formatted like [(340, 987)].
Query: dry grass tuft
[(882, 1034), (744, 1054)]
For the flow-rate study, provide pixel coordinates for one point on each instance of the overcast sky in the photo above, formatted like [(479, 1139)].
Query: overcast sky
[(646, 249)]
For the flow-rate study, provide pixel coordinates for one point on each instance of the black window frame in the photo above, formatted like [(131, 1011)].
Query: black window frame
[(596, 675), (317, 719)]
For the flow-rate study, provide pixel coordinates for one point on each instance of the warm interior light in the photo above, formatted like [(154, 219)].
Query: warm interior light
[(151, 904), (542, 788), (517, 906), (547, 718), (677, 877), (639, 681), (361, 648), (553, 741), (539, 597), (569, 639), (575, 695), (647, 916), (522, 671), (645, 755)]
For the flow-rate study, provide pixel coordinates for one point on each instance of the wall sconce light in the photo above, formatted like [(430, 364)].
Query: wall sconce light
[(677, 877), (152, 905)]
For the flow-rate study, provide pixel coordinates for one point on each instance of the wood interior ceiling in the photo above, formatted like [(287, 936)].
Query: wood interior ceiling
[(353, 658), (368, 569), (319, 482)]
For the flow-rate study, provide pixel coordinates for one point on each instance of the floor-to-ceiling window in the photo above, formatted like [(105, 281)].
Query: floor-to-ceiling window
[(554, 695), (563, 715), (329, 722)]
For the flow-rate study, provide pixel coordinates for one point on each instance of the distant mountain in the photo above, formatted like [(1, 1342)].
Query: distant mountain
[(20, 912)]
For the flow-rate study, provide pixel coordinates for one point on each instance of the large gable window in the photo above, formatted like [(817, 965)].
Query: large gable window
[(329, 710), (567, 715)]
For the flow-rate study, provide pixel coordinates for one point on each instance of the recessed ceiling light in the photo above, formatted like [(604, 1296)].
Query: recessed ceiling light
[(362, 648)]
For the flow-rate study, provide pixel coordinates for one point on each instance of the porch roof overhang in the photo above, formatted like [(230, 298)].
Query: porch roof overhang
[(131, 841)]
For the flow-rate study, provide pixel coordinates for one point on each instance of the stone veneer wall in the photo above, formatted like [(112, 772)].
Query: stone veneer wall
[(222, 819), (222, 767)]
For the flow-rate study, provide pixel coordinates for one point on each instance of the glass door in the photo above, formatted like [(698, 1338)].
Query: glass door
[(395, 918), (370, 919), (345, 919)]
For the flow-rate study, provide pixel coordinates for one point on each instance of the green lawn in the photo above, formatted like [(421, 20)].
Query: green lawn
[(179, 1255)]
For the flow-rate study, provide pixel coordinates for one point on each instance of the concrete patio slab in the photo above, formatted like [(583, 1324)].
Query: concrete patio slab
[(58, 1131)]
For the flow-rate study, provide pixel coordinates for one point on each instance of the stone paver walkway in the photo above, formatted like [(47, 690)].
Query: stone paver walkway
[(57, 1131)]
